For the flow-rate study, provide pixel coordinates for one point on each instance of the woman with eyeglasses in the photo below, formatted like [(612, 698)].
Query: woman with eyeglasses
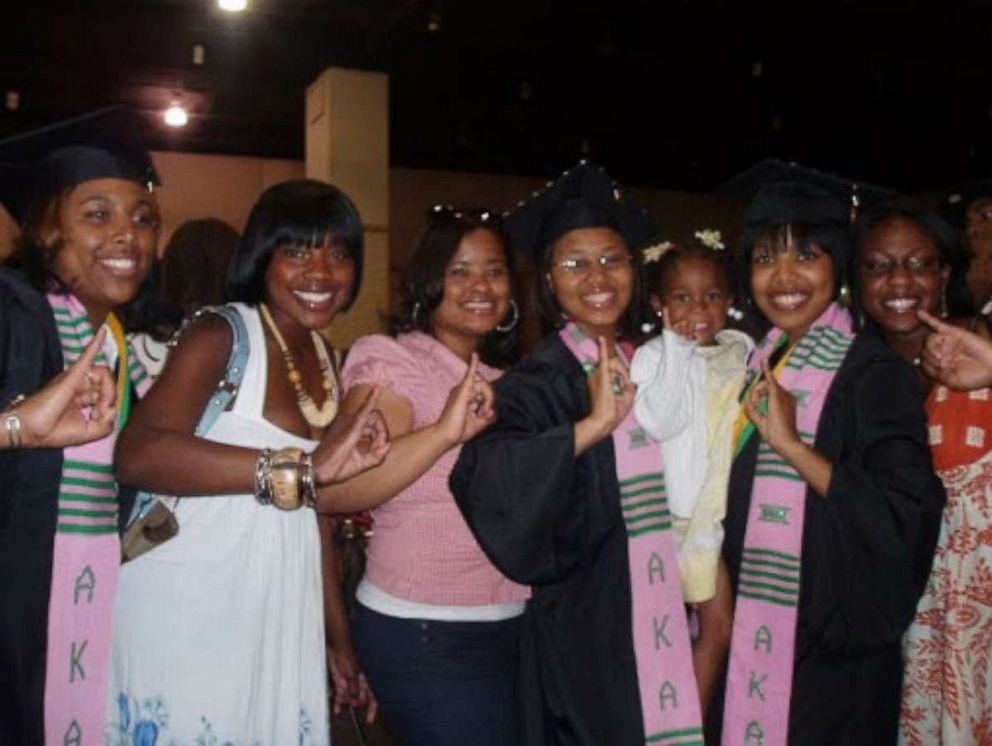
[(436, 626), (911, 266), (566, 491)]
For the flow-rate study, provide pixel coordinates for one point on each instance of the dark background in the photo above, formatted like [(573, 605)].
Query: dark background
[(674, 94)]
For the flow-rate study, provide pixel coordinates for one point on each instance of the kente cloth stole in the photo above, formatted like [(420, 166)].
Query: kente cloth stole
[(660, 629), (87, 551), (762, 648)]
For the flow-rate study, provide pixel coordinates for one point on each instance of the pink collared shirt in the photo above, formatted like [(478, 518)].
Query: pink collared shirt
[(422, 550)]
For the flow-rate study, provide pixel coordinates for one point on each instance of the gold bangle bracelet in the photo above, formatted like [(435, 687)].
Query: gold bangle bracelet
[(285, 478)]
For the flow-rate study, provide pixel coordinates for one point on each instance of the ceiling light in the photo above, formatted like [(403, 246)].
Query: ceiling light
[(232, 6), (176, 115)]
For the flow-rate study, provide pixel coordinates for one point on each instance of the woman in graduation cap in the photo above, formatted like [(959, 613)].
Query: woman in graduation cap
[(565, 491), (81, 191), (833, 507)]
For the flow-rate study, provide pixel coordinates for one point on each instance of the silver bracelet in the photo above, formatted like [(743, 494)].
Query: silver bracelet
[(12, 424), (263, 477), (308, 483)]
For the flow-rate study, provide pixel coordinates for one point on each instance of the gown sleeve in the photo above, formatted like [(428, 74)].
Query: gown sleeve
[(874, 536), (537, 511)]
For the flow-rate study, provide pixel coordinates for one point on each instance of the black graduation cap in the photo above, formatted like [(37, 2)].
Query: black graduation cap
[(582, 197), (102, 144), (787, 192), (954, 205)]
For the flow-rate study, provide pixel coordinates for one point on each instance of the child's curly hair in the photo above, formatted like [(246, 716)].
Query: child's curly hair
[(659, 260)]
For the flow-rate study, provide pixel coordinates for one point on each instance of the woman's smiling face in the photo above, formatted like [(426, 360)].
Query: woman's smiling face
[(792, 285), (309, 284), (902, 272), (104, 232), (592, 279)]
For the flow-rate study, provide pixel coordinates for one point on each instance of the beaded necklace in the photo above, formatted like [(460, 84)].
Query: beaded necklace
[(318, 418)]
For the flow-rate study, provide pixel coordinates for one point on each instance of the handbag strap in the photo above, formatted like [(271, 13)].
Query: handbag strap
[(227, 387)]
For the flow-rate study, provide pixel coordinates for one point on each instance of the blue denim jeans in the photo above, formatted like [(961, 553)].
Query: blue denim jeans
[(442, 683)]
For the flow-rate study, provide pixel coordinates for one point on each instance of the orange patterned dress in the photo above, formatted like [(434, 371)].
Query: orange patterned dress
[(947, 689)]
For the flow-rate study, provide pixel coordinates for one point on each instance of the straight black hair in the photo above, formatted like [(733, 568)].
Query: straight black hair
[(302, 212)]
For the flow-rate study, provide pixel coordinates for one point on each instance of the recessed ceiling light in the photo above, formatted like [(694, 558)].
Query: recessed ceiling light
[(232, 6), (176, 116)]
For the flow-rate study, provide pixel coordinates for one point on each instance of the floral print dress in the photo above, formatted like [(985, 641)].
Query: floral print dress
[(947, 689)]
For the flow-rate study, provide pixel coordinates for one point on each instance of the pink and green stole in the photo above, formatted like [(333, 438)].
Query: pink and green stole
[(762, 649), (86, 555), (660, 630)]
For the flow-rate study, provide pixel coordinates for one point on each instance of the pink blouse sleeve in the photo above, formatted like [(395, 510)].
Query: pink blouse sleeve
[(379, 360)]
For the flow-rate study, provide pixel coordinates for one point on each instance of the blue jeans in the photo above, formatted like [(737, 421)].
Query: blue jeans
[(442, 683)]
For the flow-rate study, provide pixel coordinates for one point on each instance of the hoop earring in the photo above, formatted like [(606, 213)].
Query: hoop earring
[(509, 326), (735, 313), (414, 313)]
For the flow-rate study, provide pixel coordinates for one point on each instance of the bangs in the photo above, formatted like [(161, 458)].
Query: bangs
[(304, 213), (311, 224), (784, 236)]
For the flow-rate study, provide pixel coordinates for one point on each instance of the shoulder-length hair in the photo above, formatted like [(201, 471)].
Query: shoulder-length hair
[(422, 285), (302, 212)]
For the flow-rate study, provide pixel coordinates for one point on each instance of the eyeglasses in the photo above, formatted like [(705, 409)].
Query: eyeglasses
[(580, 266), (920, 266)]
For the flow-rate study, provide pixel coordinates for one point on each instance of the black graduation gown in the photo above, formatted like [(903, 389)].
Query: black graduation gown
[(553, 521), (866, 552), (29, 485)]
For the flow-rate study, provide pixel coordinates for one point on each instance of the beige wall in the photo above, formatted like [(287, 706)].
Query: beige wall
[(198, 185), (214, 186)]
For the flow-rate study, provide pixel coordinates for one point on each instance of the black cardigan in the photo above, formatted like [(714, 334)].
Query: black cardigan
[(553, 521), (866, 552)]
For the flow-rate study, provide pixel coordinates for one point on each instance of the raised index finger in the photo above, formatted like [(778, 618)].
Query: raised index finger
[(934, 323)]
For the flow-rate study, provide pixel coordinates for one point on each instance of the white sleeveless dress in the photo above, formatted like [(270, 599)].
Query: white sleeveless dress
[(219, 632)]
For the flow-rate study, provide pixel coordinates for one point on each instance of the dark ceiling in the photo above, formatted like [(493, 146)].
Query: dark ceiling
[(667, 93)]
